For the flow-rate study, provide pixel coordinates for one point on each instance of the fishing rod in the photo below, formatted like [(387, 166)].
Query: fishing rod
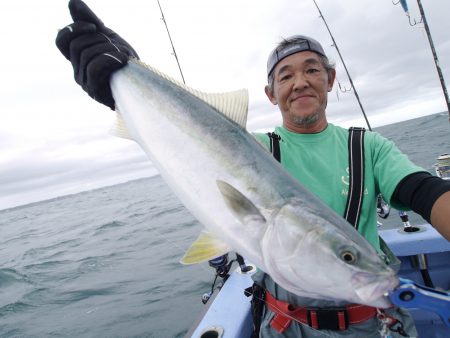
[(170, 38), (383, 208), (345, 67), (436, 60), (423, 20)]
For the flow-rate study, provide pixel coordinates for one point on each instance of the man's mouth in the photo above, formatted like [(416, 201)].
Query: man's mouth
[(302, 97)]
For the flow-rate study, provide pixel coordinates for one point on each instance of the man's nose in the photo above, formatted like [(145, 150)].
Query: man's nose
[(300, 81)]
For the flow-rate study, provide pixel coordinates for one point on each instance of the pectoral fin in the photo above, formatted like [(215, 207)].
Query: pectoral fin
[(241, 206), (205, 248)]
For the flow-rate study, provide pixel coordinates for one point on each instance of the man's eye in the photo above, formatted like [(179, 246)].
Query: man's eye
[(312, 70), (285, 77)]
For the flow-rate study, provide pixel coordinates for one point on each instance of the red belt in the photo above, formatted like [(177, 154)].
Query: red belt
[(319, 319)]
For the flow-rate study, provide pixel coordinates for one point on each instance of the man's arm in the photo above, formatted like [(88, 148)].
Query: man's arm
[(429, 196), (440, 215)]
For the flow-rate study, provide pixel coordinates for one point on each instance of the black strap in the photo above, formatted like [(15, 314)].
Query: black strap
[(356, 175), (275, 145), (257, 292)]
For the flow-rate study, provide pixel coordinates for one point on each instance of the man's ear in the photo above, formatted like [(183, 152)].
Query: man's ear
[(331, 77), (270, 95)]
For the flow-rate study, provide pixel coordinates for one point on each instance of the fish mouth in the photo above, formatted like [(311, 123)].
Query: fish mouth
[(373, 290)]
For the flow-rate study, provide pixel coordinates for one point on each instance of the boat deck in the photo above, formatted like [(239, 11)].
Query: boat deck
[(228, 313)]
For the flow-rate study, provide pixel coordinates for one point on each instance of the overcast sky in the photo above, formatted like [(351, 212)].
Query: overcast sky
[(54, 140)]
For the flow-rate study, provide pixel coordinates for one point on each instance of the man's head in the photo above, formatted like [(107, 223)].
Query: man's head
[(299, 79)]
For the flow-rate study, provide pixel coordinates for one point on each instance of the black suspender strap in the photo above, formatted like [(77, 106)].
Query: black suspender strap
[(356, 168), (275, 145), (356, 174)]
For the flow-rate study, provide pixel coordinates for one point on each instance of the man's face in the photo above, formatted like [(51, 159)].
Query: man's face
[(300, 88)]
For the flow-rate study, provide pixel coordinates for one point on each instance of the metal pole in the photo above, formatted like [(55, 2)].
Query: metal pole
[(436, 60), (345, 67)]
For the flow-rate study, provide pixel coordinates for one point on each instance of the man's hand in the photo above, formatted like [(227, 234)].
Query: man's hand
[(94, 50)]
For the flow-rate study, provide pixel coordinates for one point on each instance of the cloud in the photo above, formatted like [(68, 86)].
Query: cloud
[(54, 139)]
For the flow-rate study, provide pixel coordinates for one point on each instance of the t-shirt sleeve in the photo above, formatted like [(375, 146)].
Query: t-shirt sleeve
[(390, 166)]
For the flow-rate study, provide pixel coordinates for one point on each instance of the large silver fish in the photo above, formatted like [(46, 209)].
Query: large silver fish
[(243, 197)]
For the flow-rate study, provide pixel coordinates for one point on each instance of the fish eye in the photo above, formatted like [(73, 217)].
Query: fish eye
[(348, 256)]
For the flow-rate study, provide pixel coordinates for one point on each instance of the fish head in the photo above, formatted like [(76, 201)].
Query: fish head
[(308, 256)]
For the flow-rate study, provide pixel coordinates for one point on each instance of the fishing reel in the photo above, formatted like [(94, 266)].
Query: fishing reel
[(220, 264), (222, 267), (442, 166), (383, 208)]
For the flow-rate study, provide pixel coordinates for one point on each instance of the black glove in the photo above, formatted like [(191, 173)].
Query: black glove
[(94, 50)]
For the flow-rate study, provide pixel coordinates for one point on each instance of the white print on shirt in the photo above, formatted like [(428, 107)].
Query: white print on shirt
[(346, 180)]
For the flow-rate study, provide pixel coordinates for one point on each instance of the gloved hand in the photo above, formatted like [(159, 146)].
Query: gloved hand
[(94, 50)]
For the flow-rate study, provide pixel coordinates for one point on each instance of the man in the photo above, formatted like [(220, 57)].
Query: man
[(316, 153), (312, 150)]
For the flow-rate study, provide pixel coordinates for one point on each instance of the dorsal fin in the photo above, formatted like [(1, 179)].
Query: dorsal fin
[(234, 104)]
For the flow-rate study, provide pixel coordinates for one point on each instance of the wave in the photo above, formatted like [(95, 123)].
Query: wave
[(113, 224), (10, 276), (17, 307), (70, 297)]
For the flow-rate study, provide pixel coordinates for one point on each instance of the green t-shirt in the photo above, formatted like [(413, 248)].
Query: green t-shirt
[(320, 162)]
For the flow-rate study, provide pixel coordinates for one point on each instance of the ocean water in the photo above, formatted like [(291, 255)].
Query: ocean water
[(104, 263), (101, 263)]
